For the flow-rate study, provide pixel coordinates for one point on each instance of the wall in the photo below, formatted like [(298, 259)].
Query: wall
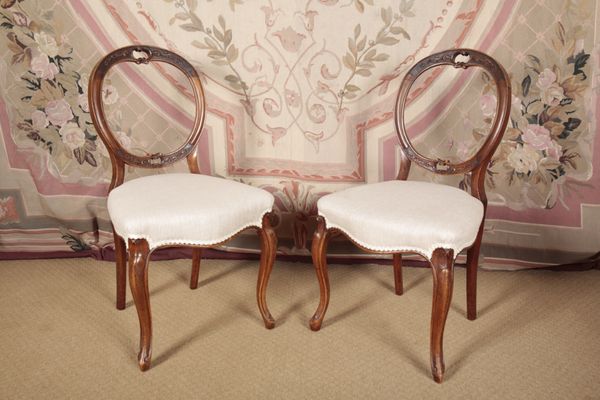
[(300, 98)]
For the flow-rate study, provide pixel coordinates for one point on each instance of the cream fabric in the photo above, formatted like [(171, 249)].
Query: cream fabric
[(185, 209), (404, 216)]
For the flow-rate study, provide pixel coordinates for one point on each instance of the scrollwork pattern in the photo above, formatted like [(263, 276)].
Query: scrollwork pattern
[(286, 79)]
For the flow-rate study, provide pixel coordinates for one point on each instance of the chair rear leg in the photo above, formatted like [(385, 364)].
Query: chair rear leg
[(121, 264), (442, 263), (139, 252), (398, 285), (268, 249), (196, 257), (319, 256), (472, 265)]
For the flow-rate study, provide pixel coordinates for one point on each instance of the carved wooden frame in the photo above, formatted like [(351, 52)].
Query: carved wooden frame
[(442, 260), (137, 252)]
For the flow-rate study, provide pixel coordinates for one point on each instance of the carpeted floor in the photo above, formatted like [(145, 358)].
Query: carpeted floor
[(537, 335)]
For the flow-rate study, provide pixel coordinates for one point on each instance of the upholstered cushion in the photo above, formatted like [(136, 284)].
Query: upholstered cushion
[(185, 209), (408, 216)]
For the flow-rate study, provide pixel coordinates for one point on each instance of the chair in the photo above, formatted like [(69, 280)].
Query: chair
[(177, 209), (433, 220)]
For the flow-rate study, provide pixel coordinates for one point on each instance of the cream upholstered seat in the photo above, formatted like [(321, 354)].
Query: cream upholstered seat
[(404, 216), (173, 209), (206, 210), (433, 220)]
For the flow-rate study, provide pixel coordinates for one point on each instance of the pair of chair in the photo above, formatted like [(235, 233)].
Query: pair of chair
[(200, 211)]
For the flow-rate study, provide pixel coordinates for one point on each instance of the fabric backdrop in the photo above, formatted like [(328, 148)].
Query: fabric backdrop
[(300, 97)]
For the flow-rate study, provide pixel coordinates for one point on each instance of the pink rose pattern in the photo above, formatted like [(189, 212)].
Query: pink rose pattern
[(542, 145), (58, 112), (55, 90), (8, 211), (42, 67)]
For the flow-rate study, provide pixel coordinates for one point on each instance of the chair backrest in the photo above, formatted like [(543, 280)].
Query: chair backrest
[(119, 156), (477, 165)]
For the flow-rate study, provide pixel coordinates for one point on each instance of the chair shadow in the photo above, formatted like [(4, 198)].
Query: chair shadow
[(314, 297), (485, 308), (294, 308), (238, 267), (201, 330), (361, 304), (522, 316), (411, 284), (249, 311), (155, 291), (182, 277), (404, 350)]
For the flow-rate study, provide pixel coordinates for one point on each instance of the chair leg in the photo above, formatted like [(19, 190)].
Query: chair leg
[(472, 265), (121, 262), (268, 248), (139, 253), (398, 274), (442, 263), (196, 256), (319, 256)]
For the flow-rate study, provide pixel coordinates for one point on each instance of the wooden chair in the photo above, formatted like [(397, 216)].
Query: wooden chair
[(433, 220), (165, 210)]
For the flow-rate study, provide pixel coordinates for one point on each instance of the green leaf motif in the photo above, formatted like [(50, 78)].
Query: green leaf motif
[(90, 159), (580, 62), (228, 37), (232, 53), (525, 85), (190, 27), (359, 6), (356, 31), (389, 41), (381, 57), (199, 45), (387, 15), (216, 54), (398, 30), (218, 34), (370, 54), (572, 123), (360, 46), (233, 3), (352, 46), (348, 61), (192, 4)]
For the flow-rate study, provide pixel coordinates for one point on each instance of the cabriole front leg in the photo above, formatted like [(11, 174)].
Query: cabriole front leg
[(319, 257), (139, 252), (268, 248), (442, 263)]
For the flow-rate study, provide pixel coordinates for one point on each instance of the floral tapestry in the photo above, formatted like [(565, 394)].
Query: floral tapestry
[(300, 99)]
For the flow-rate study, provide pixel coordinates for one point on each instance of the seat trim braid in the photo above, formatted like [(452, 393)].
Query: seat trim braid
[(153, 244), (428, 253)]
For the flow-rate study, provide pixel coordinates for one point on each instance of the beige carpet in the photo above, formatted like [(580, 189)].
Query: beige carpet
[(537, 336)]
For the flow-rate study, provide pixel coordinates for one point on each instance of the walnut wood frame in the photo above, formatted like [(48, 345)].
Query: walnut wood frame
[(442, 260), (137, 252)]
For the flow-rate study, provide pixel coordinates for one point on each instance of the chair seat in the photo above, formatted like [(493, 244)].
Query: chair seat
[(404, 216), (178, 209)]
